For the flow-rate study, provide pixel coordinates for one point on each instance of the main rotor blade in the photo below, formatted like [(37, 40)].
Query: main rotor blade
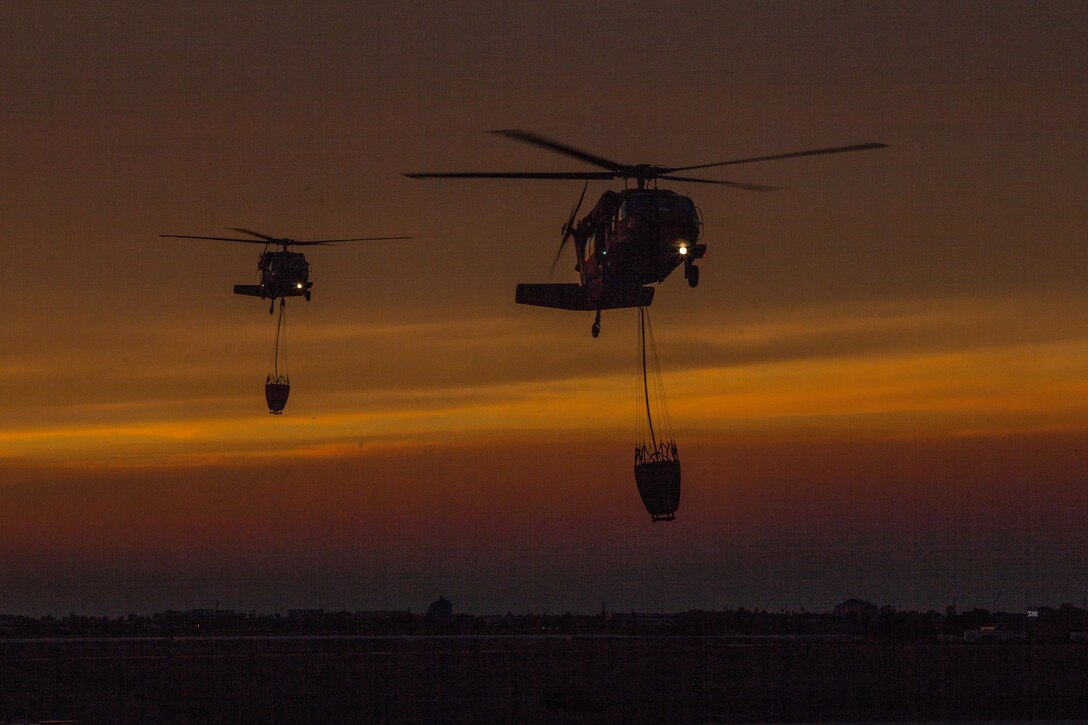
[(337, 241), (589, 175), (259, 235), (734, 184), (538, 140), (792, 154), (220, 239), (288, 242)]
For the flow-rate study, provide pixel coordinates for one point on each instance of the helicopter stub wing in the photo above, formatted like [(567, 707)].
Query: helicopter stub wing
[(576, 297)]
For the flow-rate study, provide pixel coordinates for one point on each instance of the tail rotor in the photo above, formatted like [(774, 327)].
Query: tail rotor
[(568, 228)]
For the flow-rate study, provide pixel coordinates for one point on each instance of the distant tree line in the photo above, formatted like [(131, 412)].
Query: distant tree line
[(851, 619)]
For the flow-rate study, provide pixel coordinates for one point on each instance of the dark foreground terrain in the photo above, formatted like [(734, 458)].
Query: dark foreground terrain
[(535, 679)]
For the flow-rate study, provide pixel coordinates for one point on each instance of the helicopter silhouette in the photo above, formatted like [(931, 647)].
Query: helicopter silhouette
[(631, 238), (283, 273)]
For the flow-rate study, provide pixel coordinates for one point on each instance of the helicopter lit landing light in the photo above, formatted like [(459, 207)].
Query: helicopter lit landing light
[(683, 249), (299, 285)]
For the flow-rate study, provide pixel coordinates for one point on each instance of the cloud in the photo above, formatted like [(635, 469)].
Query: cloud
[(950, 365)]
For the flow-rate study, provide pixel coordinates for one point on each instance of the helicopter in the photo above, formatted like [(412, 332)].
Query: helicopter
[(631, 238), (283, 273)]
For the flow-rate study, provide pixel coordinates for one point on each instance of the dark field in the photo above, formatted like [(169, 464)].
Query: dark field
[(535, 679)]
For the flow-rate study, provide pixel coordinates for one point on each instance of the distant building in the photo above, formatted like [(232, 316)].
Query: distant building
[(381, 616), (856, 608), (441, 610), (992, 634), (305, 613), (644, 619)]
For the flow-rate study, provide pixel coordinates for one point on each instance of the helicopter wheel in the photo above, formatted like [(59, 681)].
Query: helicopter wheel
[(596, 329), (693, 276), (306, 294)]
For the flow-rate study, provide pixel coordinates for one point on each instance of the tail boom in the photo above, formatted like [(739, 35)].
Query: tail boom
[(578, 297)]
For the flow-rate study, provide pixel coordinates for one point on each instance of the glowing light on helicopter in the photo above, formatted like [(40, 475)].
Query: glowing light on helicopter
[(299, 285), (683, 249)]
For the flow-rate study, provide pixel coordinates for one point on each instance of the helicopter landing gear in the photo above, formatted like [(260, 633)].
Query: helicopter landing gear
[(306, 294), (691, 273), (596, 329), (272, 306)]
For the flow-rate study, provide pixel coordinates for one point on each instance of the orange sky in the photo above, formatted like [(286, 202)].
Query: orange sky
[(893, 327)]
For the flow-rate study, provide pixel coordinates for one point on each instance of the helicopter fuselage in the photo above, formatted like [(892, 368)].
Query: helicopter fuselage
[(636, 237), (630, 239), (283, 274)]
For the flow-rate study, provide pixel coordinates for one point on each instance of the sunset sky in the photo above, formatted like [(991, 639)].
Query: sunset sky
[(879, 389)]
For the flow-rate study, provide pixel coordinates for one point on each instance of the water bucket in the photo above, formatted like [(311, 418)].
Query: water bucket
[(276, 391), (659, 486)]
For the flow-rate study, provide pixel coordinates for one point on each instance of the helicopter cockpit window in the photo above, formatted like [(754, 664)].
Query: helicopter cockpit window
[(636, 209), (676, 210), (678, 205)]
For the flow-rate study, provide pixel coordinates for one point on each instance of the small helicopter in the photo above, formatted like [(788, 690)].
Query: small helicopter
[(283, 273), (631, 238)]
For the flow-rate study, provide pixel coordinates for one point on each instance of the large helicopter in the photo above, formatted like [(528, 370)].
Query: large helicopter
[(283, 273), (631, 238)]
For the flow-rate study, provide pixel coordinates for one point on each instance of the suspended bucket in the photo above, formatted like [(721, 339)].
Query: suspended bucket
[(657, 463), (276, 386), (657, 475), (276, 390)]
